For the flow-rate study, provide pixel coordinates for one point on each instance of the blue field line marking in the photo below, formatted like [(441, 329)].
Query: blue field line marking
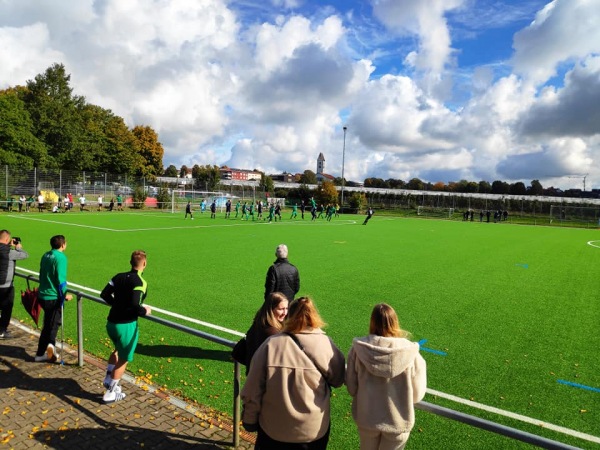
[(524, 266), (580, 386), (430, 350)]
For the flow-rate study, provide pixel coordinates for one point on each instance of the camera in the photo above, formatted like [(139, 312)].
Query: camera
[(16, 240)]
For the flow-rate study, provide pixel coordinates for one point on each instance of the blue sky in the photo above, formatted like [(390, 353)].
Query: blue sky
[(441, 90)]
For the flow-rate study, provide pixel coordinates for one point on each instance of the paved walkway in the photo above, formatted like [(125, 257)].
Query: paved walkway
[(60, 406)]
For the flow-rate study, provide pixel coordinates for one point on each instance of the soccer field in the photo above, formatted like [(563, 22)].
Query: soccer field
[(508, 315)]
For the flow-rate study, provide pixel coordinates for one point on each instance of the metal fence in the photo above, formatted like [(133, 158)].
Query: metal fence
[(448, 413)]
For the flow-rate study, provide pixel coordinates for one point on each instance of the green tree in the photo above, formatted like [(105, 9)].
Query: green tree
[(139, 198), (518, 188), (500, 187), (415, 184), (171, 171), (151, 151), (207, 177), (18, 144), (536, 188), (484, 187), (55, 113), (357, 200), (266, 183), (308, 177)]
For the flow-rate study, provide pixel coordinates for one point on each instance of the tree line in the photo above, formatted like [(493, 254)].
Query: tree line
[(45, 125)]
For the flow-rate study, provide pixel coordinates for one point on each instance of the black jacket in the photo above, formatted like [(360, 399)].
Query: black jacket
[(282, 277)]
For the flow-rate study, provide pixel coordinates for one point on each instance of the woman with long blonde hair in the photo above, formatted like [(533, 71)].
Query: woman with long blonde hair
[(386, 375), (287, 392)]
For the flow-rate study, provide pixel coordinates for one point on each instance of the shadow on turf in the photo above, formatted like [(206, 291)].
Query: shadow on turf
[(181, 351)]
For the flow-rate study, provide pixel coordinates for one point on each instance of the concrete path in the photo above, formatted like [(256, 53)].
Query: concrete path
[(60, 407)]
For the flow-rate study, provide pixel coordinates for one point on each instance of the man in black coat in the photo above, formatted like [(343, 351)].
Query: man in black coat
[(282, 276)]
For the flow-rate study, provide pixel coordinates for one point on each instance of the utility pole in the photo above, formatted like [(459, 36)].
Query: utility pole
[(343, 163)]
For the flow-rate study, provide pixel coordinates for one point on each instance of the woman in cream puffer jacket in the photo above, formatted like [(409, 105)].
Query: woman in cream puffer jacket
[(385, 376)]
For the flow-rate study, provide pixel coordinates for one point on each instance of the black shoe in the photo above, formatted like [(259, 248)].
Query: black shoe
[(6, 335)]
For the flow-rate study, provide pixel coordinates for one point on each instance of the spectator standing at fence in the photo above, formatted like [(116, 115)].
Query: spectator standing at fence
[(100, 203), (287, 393), (41, 200), (268, 321), (11, 251), (125, 293), (30, 201), (82, 202), (52, 295), (386, 376), (282, 276), (22, 201), (71, 204)]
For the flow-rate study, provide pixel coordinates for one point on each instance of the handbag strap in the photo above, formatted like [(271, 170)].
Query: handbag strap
[(295, 339)]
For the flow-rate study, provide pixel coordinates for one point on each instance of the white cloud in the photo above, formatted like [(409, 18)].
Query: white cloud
[(563, 31)]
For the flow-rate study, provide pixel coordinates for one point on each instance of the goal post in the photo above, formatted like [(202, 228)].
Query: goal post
[(440, 213), (575, 214), (180, 198)]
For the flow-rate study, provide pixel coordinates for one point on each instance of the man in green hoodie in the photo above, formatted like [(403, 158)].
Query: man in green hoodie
[(52, 295)]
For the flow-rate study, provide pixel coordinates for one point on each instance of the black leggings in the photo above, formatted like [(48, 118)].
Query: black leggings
[(264, 442)]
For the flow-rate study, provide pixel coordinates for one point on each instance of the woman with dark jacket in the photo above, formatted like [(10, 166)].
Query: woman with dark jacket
[(267, 322), (287, 393)]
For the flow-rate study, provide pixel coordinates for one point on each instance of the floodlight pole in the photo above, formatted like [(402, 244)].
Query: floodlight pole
[(343, 163)]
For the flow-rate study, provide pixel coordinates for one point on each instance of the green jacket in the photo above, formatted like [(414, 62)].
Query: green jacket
[(53, 275)]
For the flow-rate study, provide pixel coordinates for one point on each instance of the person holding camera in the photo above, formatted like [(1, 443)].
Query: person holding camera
[(10, 252)]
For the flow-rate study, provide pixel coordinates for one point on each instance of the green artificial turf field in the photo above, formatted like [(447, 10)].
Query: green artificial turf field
[(505, 311)]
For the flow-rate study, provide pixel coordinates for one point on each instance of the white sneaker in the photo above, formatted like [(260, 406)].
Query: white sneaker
[(114, 395), (51, 353), (42, 358)]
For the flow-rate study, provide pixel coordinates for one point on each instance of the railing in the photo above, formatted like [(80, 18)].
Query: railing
[(474, 421)]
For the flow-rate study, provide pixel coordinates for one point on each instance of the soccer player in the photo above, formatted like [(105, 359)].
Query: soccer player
[(188, 210), (213, 210), (237, 209), (370, 213), (119, 202), (294, 211), (125, 293), (228, 209)]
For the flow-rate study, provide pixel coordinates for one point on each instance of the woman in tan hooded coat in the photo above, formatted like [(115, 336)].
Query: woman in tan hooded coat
[(385, 376)]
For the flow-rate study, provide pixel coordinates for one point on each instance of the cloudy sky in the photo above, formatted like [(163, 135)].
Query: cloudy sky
[(442, 90)]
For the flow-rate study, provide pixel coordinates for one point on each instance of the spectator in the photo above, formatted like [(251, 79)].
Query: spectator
[(10, 252), (286, 398), (267, 322), (386, 375), (41, 200), (282, 276), (52, 294)]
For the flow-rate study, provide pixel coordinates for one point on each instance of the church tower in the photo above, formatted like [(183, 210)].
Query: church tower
[(320, 165)]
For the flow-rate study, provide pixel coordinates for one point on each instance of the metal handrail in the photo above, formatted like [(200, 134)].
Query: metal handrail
[(458, 416)]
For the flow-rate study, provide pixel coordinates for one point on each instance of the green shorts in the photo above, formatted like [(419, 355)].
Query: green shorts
[(124, 337)]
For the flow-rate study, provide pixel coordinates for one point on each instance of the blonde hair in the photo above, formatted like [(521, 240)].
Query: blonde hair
[(137, 257), (384, 322), (264, 316), (302, 314)]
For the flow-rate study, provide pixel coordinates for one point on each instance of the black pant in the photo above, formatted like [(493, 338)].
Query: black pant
[(264, 442), (7, 300), (52, 321)]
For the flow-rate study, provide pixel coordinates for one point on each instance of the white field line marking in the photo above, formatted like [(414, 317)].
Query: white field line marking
[(63, 223), (593, 244), (154, 308), (129, 230), (501, 412)]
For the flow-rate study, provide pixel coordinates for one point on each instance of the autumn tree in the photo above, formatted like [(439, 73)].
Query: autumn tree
[(150, 150), (327, 194)]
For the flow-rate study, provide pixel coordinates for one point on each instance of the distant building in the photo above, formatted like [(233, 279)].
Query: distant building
[(284, 177), (321, 175), (238, 174)]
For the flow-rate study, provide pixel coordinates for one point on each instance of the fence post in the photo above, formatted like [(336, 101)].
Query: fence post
[(236, 404), (79, 329)]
